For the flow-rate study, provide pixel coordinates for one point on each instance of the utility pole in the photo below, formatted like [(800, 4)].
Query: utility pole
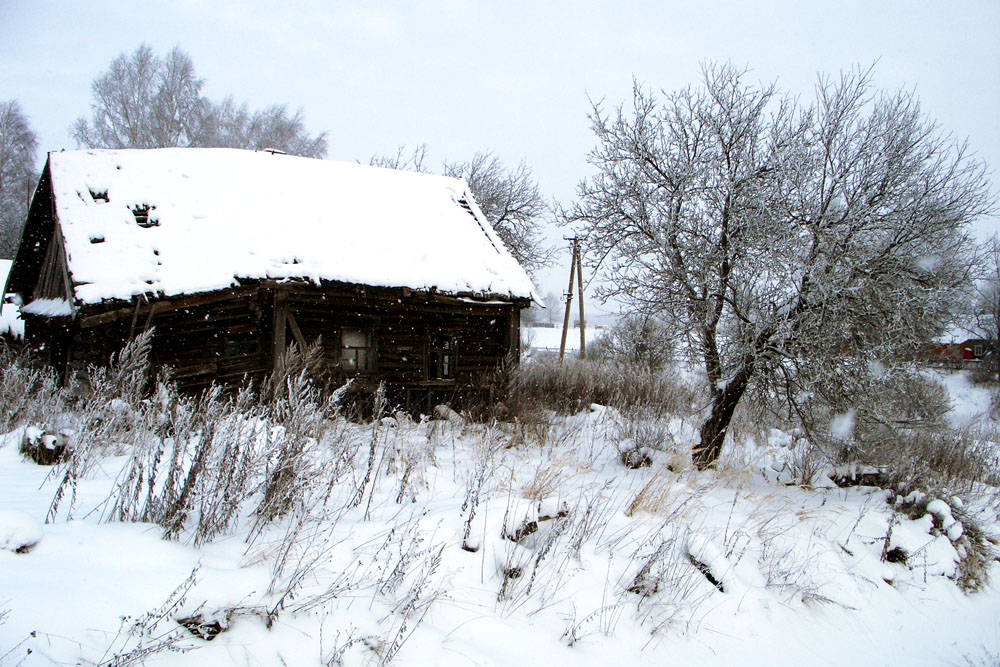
[(579, 282), (575, 271)]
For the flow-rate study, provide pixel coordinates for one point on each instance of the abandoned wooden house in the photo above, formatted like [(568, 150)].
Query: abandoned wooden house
[(232, 255)]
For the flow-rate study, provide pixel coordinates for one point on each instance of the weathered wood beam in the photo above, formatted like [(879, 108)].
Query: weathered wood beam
[(64, 269), (189, 371), (294, 326), (371, 293), (166, 305), (513, 334), (278, 328), (135, 318), (155, 308)]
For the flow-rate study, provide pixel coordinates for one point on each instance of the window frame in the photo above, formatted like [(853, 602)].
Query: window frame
[(441, 360), (238, 343), (368, 332)]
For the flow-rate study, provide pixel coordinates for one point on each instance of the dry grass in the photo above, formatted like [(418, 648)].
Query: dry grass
[(549, 476), (661, 496), (943, 458), (29, 393), (571, 386)]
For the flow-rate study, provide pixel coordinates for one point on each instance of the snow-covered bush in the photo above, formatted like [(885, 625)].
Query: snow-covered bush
[(29, 393), (639, 341), (976, 549), (640, 434)]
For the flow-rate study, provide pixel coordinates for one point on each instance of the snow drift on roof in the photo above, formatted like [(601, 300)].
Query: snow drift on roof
[(185, 220), (48, 308)]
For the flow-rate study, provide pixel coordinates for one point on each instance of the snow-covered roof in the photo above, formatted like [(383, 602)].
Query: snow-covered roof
[(218, 215)]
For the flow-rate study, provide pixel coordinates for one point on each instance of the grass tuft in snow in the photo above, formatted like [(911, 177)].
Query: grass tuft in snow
[(151, 633)]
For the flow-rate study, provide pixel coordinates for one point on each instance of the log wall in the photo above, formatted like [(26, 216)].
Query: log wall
[(230, 336)]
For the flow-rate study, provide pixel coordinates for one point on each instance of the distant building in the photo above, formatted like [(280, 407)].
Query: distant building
[(970, 351)]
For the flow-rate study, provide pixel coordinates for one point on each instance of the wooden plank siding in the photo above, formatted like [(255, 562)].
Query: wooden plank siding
[(232, 335), (53, 283)]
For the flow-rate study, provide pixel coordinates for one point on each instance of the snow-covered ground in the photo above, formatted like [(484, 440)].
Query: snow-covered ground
[(970, 403), (548, 339), (478, 545), (10, 323)]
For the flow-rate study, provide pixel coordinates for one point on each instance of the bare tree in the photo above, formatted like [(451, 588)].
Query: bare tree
[(405, 159), (233, 125), (18, 146), (144, 101), (986, 301), (796, 248), (178, 109), (553, 302), (509, 198), (636, 340), (546, 312)]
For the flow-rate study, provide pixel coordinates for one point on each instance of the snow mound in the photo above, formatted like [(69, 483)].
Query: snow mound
[(18, 531), (712, 562), (10, 321)]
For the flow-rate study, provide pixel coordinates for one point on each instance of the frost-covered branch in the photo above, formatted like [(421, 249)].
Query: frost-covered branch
[(766, 231)]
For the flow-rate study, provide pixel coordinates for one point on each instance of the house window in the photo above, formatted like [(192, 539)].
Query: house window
[(355, 351), (441, 357), (240, 346)]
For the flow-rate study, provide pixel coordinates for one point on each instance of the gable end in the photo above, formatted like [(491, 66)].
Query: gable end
[(35, 250)]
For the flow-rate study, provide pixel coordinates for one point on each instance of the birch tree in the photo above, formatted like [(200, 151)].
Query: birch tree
[(18, 148), (794, 248), (233, 125), (145, 101)]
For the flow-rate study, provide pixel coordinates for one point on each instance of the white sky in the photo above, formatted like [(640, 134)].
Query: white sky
[(511, 77)]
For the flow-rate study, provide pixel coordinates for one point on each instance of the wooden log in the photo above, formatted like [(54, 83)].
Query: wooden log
[(278, 328), (188, 371), (166, 305), (294, 326)]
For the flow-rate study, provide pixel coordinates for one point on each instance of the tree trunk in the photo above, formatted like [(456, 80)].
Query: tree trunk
[(996, 347), (713, 431)]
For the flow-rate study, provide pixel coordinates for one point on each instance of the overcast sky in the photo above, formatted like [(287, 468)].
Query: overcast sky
[(510, 77)]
